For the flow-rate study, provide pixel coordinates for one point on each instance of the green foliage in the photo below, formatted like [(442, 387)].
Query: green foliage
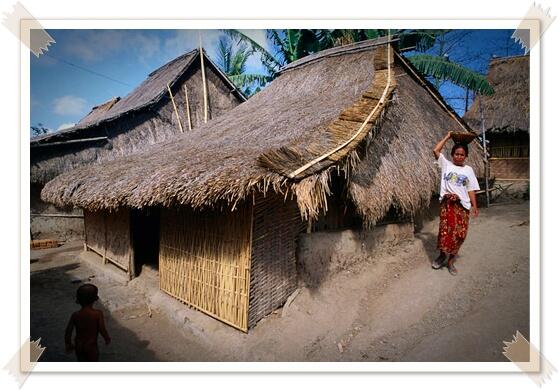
[(292, 45), (233, 63), (443, 69)]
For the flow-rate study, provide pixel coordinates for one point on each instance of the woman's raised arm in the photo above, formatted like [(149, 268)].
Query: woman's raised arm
[(438, 148)]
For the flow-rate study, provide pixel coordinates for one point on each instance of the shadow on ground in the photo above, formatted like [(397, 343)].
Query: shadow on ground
[(52, 303)]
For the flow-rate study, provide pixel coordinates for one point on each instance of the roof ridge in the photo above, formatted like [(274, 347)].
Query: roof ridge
[(504, 59), (173, 61), (338, 50)]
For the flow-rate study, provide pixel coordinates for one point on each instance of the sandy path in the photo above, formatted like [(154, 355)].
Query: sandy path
[(392, 307)]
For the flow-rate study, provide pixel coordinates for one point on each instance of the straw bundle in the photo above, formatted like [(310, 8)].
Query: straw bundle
[(344, 133)]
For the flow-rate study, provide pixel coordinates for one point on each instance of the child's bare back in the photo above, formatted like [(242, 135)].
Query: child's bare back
[(89, 323)]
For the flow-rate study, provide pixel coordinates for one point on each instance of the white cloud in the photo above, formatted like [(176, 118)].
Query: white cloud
[(69, 105), (65, 126), (186, 40)]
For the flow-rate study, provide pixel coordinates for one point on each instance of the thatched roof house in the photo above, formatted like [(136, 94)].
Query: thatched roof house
[(506, 116), (120, 127), (358, 117)]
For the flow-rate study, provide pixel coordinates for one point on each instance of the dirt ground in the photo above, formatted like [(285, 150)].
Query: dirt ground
[(392, 307)]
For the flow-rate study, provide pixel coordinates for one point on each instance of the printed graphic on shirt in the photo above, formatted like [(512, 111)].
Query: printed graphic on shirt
[(458, 179)]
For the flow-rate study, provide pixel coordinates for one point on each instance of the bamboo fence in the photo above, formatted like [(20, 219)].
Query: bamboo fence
[(204, 261)]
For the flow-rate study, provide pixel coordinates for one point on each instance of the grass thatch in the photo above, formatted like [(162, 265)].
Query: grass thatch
[(508, 110), (219, 161), (100, 111), (344, 133), (121, 127)]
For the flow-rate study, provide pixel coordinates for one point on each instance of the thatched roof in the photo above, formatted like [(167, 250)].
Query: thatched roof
[(508, 109), (100, 111), (147, 94), (306, 109)]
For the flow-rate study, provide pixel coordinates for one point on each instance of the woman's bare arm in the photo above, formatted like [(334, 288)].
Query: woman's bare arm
[(438, 148), (473, 200)]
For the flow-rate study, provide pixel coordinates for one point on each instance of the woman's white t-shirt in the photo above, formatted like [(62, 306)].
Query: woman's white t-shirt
[(457, 180)]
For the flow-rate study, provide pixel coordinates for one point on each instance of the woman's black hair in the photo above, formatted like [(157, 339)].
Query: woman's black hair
[(87, 294), (460, 145)]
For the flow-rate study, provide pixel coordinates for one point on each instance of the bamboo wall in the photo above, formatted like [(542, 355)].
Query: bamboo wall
[(204, 261), (276, 227), (95, 231), (108, 234)]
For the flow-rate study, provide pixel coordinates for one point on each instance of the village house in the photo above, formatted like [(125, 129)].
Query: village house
[(340, 140)]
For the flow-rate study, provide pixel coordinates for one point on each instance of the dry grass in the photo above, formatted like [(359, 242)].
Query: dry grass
[(218, 163), (143, 117), (508, 109)]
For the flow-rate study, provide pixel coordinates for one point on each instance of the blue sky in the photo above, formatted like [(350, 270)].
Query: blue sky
[(87, 67), (105, 64)]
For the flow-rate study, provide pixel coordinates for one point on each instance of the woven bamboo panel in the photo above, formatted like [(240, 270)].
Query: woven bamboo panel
[(273, 276), (95, 231), (108, 234), (118, 237), (204, 261)]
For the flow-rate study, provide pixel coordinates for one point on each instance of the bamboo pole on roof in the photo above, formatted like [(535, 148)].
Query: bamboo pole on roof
[(175, 107), (204, 82), (363, 125), (187, 108)]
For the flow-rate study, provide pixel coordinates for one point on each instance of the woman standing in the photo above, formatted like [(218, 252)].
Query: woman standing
[(458, 198)]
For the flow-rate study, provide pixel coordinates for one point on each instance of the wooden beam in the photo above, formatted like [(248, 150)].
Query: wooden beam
[(187, 108), (204, 82), (56, 215), (175, 107), (82, 140)]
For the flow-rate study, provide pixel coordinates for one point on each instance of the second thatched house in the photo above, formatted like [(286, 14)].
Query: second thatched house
[(343, 135), (120, 127), (506, 116)]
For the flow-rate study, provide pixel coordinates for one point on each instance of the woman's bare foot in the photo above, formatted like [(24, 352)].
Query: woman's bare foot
[(451, 268), (439, 262)]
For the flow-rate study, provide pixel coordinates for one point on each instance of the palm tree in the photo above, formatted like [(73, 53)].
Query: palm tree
[(233, 63), (294, 44)]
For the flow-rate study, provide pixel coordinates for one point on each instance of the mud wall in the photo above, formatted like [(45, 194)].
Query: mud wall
[(49, 222), (322, 254)]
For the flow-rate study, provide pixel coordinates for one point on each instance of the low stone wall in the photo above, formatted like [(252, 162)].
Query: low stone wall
[(321, 254)]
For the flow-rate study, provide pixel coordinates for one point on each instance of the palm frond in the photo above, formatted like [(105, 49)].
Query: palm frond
[(247, 79), (441, 68), (268, 58)]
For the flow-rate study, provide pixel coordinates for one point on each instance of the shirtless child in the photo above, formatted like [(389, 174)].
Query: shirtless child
[(89, 323)]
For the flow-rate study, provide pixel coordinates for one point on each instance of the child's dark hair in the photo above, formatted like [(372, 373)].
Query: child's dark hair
[(87, 294), (460, 145)]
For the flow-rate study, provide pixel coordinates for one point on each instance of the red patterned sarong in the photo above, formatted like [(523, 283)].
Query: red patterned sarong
[(453, 226)]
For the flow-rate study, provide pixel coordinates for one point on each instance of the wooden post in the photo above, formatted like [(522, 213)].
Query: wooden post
[(105, 241), (131, 260), (84, 233), (204, 82), (187, 108), (485, 159), (175, 107)]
